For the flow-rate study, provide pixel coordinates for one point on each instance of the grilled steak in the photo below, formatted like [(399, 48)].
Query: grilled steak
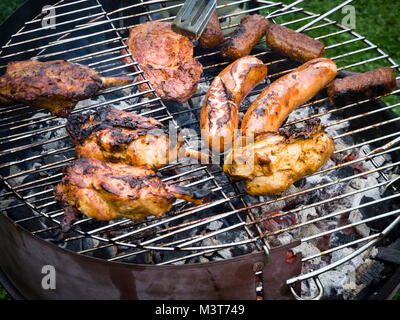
[(166, 59)]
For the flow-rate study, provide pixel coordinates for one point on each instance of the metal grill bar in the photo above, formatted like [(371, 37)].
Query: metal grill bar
[(286, 59), (396, 134), (261, 204)]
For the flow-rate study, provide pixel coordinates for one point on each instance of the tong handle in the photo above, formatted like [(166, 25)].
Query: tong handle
[(193, 17)]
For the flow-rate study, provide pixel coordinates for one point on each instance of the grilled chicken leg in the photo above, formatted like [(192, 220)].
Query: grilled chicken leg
[(118, 136), (56, 85), (278, 159), (105, 191)]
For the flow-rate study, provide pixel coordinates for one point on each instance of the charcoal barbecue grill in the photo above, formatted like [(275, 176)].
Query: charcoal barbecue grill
[(233, 247)]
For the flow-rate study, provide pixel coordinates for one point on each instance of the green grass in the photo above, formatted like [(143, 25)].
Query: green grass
[(376, 20), (4, 295), (7, 7)]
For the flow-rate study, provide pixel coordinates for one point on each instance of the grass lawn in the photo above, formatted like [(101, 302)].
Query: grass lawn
[(375, 19)]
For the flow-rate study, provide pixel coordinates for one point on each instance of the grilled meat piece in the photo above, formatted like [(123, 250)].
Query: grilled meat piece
[(105, 191), (212, 34), (56, 85), (166, 59), (293, 44), (285, 94), (362, 86), (219, 117), (245, 37), (122, 137), (278, 159)]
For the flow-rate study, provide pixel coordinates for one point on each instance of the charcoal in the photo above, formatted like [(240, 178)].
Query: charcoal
[(344, 172), (373, 274), (340, 238), (389, 255), (374, 210)]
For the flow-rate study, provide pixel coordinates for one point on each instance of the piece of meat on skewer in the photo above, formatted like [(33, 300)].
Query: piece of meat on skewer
[(106, 191), (166, 59), (113, 135), (278, 159), (56, 85)]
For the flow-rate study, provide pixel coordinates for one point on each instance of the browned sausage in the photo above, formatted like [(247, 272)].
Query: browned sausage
[(245, 36), (212, 34), (275, 103), (362, 86), (293, 44), (219, 116)]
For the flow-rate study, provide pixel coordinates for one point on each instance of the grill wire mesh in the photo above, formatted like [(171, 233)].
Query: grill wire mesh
[(34, 146)]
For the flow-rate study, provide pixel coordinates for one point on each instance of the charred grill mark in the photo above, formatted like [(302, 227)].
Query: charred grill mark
[(221, 122), (89, 169), (195, 195), (259, 111), (228, 93), (310, 128), (214, 113), (241, 30), (118, 140), (108, 117), (104, 186)]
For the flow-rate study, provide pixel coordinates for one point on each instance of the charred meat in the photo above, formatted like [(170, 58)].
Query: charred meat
[(278, 159), (166, 59), (106, 191), (245, 37), (55, 85), (212, 34), (362, 86), (117, 136), (219, 117), (293, 44), (285, 94)]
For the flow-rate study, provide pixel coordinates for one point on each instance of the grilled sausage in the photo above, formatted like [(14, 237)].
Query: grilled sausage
[(293, 44), (275, 103), (245, 37), (362, 86), (212, 34), (219, 116)]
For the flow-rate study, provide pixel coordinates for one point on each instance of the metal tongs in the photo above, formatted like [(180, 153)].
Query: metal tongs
[(193, 17)]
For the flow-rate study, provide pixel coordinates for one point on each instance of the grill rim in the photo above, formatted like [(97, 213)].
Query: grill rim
[(389, 59), (165, 107)]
